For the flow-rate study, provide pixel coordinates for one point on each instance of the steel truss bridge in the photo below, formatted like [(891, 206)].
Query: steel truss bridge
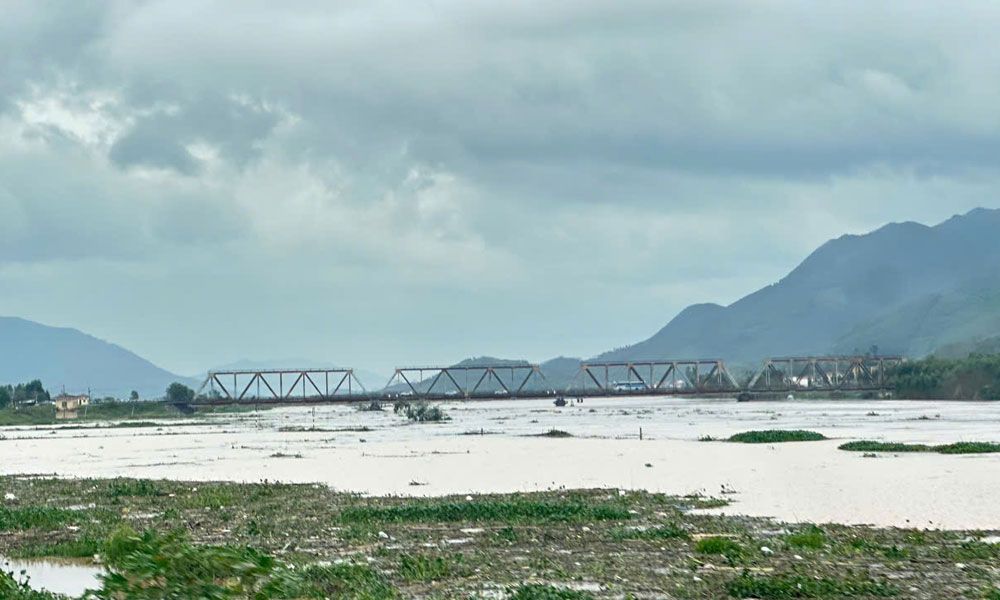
[(699, 377)]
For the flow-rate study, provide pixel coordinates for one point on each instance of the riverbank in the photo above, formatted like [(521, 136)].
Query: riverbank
[(589, 544)]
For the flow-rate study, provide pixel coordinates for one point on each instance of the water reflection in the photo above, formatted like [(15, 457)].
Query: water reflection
[(68, 577)]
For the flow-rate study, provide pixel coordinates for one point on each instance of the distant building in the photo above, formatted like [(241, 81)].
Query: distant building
[(67, 406)]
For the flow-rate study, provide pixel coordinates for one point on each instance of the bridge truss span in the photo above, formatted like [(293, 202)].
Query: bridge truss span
[(469, 381), (277, 385), (651, 377), (824, 373)]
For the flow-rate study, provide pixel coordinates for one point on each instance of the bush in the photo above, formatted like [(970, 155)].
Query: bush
[(775, 436), (420, 412)]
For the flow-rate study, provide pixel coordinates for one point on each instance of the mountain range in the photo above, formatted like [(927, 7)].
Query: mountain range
[(905, 288)]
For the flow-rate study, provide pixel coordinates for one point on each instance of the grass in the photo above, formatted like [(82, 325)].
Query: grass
[(774, 436), (547, 592), (45, 414), (779, 587), (487, 510), (427, 569), (720, 546), (669, 531), (812, 538), (956, 448), (35, 517), (306, 541)]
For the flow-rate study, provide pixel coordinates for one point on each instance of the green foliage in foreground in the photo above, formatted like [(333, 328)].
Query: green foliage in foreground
[(151, 566), (16, 588), (721, 546), (774, 436), (514, 510), (35, 517), (956, 448), (547, 592), (779, 587), (812, 538)]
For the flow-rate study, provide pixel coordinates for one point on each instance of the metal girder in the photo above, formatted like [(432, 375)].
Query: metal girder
[(304, 383), (503, 379)]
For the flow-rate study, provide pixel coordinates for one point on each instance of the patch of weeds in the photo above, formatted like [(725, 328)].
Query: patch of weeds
[(871, 548), (956, 448), (373, 406), (503, 510), (775, 436), (348, 581), (152, 565), (968, 448), (84, 547), (555, 433), (699, 502), (547, 592), (669, 531), (35, 517), (507, 534), (812, 538), (974, 551), (779, 587), (420, 412), (428, 568), (283, 455), (133, 488), (17, 588), (708, 438), (720, 546)]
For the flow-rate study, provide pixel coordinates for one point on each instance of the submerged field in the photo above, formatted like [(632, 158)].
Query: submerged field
[(308, 541)]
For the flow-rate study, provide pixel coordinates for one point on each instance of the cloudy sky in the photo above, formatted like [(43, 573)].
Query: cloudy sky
[(371, 183)]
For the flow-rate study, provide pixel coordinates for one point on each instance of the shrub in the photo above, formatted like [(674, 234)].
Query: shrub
[(774, 436)]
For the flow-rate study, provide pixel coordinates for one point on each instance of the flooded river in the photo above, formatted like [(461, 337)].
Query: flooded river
[(71, 578), (494, 447)]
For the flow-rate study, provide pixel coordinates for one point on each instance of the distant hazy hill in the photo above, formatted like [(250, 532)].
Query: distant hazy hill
[(905, 287), (69, 358)]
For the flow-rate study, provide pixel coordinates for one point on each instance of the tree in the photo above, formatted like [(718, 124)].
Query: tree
[(134, 396), (178, 393), (6, 395)]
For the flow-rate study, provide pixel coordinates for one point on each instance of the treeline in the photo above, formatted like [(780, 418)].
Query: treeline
[(976, 377), (23, 392)]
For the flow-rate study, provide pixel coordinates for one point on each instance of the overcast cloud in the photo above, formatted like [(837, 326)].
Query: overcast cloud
[(371, 182)]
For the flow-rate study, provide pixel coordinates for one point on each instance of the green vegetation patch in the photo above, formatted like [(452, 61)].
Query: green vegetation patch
[(35, 517), (151, 565), (779, 587), (775, 436), (669, 531), (556, 433), (812, 538), (427, 569), (721, 546), (547, 592), (513, 510), (956, 448)]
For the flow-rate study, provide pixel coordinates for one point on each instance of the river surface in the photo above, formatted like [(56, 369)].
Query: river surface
[(494, 447)]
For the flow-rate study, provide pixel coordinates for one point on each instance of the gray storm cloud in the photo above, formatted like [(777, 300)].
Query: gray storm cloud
[(366, 181)]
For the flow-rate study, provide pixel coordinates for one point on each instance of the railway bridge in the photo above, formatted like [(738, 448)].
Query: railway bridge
[(515, 380)]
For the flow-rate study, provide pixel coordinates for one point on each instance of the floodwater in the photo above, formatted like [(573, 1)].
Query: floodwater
[(494, 447), (70, 578)]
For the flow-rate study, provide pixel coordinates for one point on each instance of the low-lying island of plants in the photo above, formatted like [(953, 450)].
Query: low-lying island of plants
[(162, 539)]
